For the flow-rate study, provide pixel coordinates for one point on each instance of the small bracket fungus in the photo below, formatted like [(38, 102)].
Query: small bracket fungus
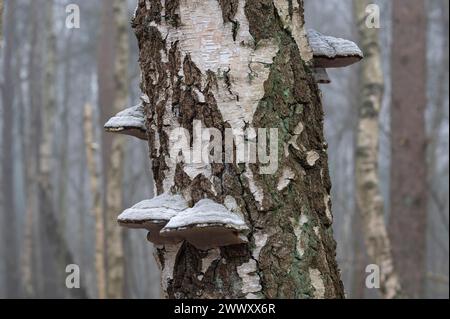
[(129, 122), (207, 225), (331, 52), (153, 215)]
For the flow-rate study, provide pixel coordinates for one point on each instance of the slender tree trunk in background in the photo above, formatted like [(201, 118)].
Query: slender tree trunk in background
[(27, 257), (9, 226), (114, 195), (359, 259), (106, 85), (438, 195), (58, 247), (1, 21), (259, 81), (83, 206), (369, 199), (63, 175), (408, 219), (438, 102), (51, 262), (97, 209), (24, 127), (33, 268), (48, 114), (107, 99)]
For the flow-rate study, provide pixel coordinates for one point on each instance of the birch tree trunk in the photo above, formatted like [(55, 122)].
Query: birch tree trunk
[(369, 199), (97, 209), (408, 222), (116, 271), (241, 64)]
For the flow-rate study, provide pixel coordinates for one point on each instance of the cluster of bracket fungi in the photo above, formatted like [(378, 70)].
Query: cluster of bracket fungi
[(170, 220)]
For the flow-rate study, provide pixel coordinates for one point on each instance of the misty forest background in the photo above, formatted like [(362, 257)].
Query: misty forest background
[(58, 88)]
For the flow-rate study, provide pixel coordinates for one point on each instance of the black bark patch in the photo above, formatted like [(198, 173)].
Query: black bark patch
[(192, 75), (263, 19), (229, 10), (172, 16)]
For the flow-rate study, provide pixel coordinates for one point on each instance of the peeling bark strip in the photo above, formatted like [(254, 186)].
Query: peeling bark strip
[(241, 64)]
